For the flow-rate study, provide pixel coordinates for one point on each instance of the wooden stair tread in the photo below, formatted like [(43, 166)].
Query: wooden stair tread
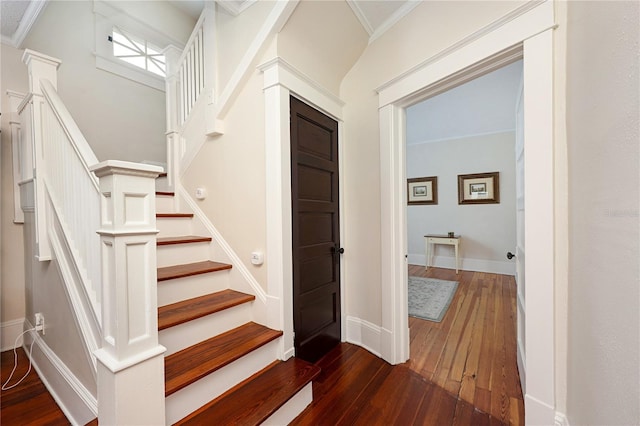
[(190, 309), (254, 400), (197, 361), (189, 269), (177, 215), (166, 193), (186, 239)]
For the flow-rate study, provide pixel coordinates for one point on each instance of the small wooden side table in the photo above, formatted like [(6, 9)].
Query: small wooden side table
[(441, 239)]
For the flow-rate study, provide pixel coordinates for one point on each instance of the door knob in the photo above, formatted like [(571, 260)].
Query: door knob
[(337, 250), (510, 255)]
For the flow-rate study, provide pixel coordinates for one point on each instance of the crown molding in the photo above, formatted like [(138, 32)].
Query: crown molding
[(28, 19)]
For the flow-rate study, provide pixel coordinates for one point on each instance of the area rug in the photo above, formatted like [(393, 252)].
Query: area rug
[(429, 298)]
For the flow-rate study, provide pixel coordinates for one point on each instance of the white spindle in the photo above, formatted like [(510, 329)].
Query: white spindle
[(192, 72), (73, 191)]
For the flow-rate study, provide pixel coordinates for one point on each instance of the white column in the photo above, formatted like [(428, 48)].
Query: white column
[(41, 67), (131, 363), (172, 93)]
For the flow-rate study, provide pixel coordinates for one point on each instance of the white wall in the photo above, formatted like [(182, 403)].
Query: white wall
[(488, 230), (427, 30), (604, 295), (120, 119), (322, 39), (12, 302), (234, 36)]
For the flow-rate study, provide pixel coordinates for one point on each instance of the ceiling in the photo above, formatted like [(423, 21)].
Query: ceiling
[(376, 17), (481, 106)]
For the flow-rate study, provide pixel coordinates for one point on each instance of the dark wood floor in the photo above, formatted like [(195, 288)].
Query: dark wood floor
[(462, 370), (29, 403)]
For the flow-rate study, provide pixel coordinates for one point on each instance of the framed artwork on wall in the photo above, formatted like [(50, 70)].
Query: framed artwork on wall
[(422, 190), (479, 188)]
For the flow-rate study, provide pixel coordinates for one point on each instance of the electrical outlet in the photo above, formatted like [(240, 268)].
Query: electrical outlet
[(40, 322)]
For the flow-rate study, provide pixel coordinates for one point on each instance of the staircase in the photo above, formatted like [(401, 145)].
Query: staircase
[(220, 366)]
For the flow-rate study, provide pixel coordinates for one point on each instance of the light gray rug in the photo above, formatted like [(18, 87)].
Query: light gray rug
[(429, 298)]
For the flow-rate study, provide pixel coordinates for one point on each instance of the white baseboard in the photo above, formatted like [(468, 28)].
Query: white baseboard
[(73, 398), (10, 330), (537, 412), (466, 264), (561, 420), (364, 333)]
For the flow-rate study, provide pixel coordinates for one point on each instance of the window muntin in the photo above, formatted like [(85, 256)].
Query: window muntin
[(137, 52)]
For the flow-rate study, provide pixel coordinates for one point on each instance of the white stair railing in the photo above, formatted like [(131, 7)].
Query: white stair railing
[(100, 228), (190, 80)]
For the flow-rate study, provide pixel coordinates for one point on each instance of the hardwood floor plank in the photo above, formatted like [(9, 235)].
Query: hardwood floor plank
[(357, 387), (29, 403)]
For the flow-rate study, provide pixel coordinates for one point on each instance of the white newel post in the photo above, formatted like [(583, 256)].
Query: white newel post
[(175, 148), (130, 361), (40, 67)]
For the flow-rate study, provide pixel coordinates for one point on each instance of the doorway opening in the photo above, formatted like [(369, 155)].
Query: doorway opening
[(466, 343)]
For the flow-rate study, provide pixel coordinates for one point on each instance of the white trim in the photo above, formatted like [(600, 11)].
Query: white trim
[(272, 25), (84, 306), (466, 264), (108, 15), (30, 16), (453, 138), (363, 333), (130, 72), (362, 17), (400, 13), (10, 330), (561, 419), (232, 6), (234, 259), (77, 403), (281, 80), (278, 72), (470, 39), (531, 28)]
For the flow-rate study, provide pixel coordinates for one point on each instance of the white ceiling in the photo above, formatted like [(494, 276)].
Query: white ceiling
[(376, 17), (484, 105)]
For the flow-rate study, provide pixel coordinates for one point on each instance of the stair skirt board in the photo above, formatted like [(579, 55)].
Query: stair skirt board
[(185, 401), (176, 290), (182, 253), (184, 335), (292, 408)]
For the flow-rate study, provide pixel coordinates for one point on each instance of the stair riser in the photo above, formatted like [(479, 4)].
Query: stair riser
[(184, 335), (292, 408), (189, 399), (165, 203), (172, 291), (174, 226), (176, 254)]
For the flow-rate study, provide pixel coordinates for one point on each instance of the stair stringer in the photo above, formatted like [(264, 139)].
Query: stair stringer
[(266, 309)]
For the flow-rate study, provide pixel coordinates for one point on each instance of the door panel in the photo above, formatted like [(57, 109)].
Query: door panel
[(315, 231)]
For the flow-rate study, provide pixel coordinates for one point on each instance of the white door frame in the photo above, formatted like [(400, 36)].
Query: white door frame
[(526, 32), (282, 80)]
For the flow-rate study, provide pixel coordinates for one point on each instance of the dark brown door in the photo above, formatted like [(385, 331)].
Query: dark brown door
[(316, 231)]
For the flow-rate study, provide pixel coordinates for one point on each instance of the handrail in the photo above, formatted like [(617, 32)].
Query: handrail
[(73, 191), (77, 139)]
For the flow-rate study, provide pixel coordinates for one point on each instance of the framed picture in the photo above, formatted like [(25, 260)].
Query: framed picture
[(423, 190), (479, 188)]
